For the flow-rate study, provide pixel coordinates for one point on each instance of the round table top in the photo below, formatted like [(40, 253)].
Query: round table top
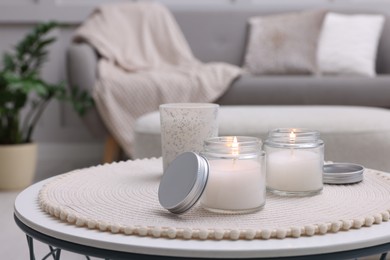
[(29, 213)]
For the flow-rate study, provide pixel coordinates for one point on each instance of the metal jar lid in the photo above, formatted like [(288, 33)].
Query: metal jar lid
[(342, 173), (183, 182)]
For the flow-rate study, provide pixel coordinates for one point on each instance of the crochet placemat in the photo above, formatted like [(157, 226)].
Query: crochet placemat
[(122, 198)]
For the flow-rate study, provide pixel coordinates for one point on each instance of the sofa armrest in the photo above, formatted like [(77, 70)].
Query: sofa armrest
[(81, 66)]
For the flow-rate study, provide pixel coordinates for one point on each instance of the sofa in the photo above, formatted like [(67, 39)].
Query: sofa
[(222, 34)]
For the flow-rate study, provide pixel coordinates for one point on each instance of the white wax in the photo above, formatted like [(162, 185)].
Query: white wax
[(234, 185), (294, 170)]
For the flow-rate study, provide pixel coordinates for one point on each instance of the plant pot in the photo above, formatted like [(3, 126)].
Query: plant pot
[(17, 165)]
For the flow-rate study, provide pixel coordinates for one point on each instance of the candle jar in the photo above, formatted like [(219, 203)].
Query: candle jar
[(294, 159), (236, 181)]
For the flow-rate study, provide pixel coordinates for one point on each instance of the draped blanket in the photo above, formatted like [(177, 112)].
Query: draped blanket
[(145, 61)]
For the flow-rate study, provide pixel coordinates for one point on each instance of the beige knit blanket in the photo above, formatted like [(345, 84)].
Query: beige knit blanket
[(145, 62)]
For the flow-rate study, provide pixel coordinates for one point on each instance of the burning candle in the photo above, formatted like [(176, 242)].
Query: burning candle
[(236, 182), (294, 162)]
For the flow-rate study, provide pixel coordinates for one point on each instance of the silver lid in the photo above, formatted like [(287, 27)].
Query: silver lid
[(343, 173), (183, 182)]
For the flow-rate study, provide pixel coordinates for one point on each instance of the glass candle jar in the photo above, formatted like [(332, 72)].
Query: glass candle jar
[(236, 181), (294, 159)]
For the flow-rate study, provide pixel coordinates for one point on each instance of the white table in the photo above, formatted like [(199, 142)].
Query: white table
[(39, 225)]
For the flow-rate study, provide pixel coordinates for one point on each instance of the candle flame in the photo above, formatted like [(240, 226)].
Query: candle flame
[(292, 135), (235, 146)]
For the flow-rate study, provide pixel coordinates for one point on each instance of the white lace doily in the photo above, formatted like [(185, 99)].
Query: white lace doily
[(122, 198)]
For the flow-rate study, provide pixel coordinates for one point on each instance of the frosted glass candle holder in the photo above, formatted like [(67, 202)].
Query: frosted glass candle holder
[(185, 126)]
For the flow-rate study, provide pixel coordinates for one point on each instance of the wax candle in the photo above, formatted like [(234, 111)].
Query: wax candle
[(294, 170), (236, 182), (234, 185), (294, 162)]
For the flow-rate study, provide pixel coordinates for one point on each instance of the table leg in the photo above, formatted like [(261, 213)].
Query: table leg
[(58, 255), (54, 252), (30, 243)]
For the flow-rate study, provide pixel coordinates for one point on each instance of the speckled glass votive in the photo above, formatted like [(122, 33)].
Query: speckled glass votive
[(185, 126)]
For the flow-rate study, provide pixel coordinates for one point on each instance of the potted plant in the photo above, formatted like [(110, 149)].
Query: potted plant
[(22, 89)]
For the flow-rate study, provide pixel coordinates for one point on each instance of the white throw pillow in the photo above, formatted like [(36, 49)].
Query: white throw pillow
[(348, 44)]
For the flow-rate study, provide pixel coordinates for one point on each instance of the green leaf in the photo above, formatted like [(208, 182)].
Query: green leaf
[(19, 101), (45, 43), (22, 87), (81, 101), (8, 62)]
